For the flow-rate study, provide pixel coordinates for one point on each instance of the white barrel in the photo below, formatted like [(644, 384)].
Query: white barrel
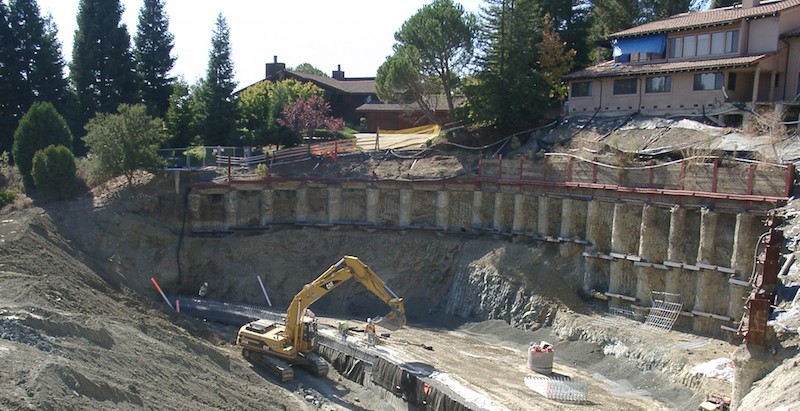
[(540, 360)]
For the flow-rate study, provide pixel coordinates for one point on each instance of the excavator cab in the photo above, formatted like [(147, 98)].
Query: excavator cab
[(310, 332)]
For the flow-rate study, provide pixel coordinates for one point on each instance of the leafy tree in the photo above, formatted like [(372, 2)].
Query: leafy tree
[(261, 105), (124, 142), (399, 80), (40, 127), (308, 114), (434, 46), (216, 104), (510, 92), (102, 68), (310, 69), (153, 45), (12, 84), (54, 171)]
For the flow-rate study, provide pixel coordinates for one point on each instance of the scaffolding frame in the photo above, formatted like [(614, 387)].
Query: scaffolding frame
[(665, 310)]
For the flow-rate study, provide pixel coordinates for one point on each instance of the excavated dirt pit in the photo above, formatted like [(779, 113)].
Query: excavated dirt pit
[(83, 328)]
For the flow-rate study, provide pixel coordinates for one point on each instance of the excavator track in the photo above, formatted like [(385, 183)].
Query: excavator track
[(277, 367), (316, 365)]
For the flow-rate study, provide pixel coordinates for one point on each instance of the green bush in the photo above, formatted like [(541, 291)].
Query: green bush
[(7, 197), (54, 172), (40, 127)]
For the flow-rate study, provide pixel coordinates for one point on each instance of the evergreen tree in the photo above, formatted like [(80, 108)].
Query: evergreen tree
[(660, 9), (571, 21), (54, 172), (611, 16), (510, 92), (154, 44), (723, 3), (40, 127), (11, 83), (39, 53), (216, 105), (102, 69), (180, 117)]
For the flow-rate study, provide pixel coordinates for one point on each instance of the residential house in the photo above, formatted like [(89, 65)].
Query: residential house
[(343, 94), (355, 100), (709, 63)]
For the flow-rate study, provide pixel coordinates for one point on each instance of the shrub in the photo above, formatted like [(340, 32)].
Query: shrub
[(262, 170), (124, 142), (7, 197), (40, 127), (54, 172)]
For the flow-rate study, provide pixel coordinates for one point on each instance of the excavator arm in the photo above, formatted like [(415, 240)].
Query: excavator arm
[(346, 268)]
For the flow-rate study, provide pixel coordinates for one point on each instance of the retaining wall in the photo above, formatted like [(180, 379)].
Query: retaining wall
[(630, 245)]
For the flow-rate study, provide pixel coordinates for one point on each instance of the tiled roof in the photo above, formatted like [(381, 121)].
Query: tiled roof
[(353, 86), (611, 69), (713, 17)]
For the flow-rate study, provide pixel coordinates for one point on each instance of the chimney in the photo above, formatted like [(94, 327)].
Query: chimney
[(749, 4), (338, 74), (274, 67)]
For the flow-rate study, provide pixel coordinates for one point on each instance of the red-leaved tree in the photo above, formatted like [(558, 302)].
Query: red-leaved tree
[(308, 114)]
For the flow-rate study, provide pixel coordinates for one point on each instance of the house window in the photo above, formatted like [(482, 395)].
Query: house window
[(625, 86), (689, 44), (721, 42), (703, 44), (661, 84), (708, 81), (676, 47), (731, 81), (718, 43), (732, 41), (581, 89)]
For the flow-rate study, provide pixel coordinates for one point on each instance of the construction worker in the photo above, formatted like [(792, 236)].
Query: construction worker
[(369, 329), (203, 290), (343, 328)]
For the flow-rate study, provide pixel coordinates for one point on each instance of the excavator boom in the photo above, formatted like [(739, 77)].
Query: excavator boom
[(296, 340)]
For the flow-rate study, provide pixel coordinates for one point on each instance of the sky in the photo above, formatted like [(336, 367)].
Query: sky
[(356, 34)]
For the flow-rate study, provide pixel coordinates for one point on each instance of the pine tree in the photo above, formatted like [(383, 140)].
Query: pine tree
[(154, 44), (102, 68), (11, 84), (39, 58), (611, 16), (510, 91), (217, 107)]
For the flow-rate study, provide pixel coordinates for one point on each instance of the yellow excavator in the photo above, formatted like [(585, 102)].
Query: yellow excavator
[(279, 346)]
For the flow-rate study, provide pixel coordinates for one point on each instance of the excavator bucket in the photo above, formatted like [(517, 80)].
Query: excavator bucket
[(392, 321)]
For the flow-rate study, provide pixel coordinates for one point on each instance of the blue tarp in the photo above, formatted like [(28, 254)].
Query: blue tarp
[(646, 44)]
